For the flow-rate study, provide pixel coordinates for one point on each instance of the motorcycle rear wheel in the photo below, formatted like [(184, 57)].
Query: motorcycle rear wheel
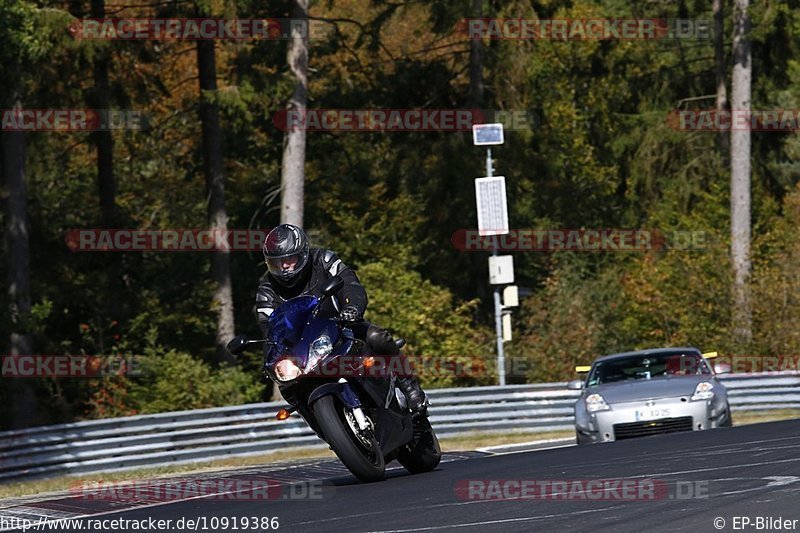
[(423, 455), (366, 464)]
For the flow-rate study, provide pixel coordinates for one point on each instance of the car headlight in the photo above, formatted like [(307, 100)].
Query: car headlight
[(703, 391), (321, 347), (287, 370), (595, 402)]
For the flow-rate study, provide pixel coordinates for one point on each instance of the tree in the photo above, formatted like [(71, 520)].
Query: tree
[(18, 245), (24, 39), (476, 57), (215, 186), (719, 63), (740, 174), (294, 148), (444, 344), (106, 186)]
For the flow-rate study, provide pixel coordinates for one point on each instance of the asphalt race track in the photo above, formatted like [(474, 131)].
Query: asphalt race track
[(724, 475)]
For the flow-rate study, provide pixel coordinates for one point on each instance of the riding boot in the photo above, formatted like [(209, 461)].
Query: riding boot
[(417, 400), (381, 341)]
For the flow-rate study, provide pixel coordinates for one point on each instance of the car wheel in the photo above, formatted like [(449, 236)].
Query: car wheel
[(728, 418)]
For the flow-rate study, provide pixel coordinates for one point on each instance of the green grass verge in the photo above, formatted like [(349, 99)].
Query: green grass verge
[(743, 418), (472, 441)]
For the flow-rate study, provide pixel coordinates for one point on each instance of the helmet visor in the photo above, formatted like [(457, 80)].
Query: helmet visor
[(286, 266)]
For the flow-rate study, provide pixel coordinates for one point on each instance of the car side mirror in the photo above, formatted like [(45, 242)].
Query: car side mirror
[(332, 286), (722, 368), (237, 344), (575, 384)]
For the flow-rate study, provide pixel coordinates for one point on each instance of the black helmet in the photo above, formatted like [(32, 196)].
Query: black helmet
[(286, 254)]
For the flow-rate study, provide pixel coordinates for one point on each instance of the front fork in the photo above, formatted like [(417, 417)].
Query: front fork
[(358, 413), (341, 389)]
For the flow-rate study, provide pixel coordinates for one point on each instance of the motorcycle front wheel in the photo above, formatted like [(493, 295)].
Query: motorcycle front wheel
[(360, 453)]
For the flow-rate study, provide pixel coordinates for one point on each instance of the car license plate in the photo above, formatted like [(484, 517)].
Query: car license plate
[(652, 414)]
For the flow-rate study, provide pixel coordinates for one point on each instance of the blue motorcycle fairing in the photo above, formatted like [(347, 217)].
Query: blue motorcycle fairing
[(287, 322), (293, 329), (344, 348), (340, 390)]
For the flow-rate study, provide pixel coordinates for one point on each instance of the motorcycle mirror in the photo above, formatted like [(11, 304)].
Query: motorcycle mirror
[(237, 344), (332, 285)]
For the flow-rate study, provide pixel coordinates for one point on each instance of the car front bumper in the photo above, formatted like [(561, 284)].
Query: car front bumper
[(651, 417)]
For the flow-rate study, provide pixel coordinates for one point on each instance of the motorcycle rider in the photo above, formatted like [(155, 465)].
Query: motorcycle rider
[(294, 269)]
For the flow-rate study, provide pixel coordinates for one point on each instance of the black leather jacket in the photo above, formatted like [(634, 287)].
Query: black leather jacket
[(323, 264)]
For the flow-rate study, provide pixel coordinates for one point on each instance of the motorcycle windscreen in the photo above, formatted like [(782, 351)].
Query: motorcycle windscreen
[(286, 324)]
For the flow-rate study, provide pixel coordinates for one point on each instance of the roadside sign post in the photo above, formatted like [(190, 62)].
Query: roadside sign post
[(490, 195)]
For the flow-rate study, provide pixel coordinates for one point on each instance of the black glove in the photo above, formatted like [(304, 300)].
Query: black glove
[(349, 313)]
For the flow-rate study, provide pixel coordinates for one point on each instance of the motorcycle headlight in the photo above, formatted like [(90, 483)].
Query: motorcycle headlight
[(287, 370), (321, 347), (595, 402), (703, 391)]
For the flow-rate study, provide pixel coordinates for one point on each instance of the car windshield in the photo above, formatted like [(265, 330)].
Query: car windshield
[(647, 367)]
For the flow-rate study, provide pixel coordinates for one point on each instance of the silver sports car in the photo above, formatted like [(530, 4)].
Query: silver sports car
[(649, 392)]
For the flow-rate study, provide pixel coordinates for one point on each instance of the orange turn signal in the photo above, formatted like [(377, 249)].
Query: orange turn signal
[(369, 362), (283, 414)]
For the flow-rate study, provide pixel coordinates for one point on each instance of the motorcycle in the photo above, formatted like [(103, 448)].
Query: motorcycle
[(363, 417)]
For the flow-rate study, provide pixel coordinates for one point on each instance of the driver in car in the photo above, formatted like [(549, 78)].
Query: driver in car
[(294, 269)]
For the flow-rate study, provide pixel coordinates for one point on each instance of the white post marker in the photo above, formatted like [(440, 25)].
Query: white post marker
[(501, 269), (490, 194), (507, 326), (511, 295)]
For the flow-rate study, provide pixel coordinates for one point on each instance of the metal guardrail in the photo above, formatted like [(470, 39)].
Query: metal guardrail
[(206, 434)]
